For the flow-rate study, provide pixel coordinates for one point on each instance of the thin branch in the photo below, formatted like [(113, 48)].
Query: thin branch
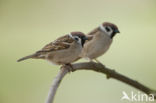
[(55, 85), (98, 68)]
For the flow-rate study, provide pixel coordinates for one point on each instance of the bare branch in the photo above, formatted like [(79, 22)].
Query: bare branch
[(98, 68), (55, 84)]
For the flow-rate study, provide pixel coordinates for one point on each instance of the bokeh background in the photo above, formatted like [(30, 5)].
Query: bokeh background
[(27, 25)]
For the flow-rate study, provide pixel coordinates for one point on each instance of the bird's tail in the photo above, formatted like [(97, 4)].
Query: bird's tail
[(27, 57)]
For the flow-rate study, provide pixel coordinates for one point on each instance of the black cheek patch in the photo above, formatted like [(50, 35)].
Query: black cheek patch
[(113, 34)]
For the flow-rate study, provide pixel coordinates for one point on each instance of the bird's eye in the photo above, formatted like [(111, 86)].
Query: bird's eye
[(76, 38), (107, 29)]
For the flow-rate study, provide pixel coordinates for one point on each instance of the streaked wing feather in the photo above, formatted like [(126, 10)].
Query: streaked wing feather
[(90, 37), (59, 44)]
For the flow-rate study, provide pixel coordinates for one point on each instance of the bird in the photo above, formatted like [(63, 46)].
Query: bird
[(63, 51), (99, 41)]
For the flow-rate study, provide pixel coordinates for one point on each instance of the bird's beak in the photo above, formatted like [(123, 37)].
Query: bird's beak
[(86, 38), (117, 31)]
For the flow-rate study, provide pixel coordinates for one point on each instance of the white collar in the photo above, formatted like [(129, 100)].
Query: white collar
[(70, 35), (102, 28)]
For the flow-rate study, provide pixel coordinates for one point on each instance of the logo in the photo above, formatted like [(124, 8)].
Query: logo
[(140, 97)]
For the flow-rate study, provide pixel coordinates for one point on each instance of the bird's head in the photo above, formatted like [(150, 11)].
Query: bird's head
[(109, 28), (79, 37)]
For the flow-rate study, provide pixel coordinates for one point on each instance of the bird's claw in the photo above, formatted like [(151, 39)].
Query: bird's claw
[(69, 67)]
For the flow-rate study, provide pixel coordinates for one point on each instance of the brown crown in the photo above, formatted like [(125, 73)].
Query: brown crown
[(110, 24)]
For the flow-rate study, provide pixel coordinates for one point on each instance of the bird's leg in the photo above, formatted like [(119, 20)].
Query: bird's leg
[(70, 69), (97, 61), (90, 60)]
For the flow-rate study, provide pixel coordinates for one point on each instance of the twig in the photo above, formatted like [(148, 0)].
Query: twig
[(98, 68), (55, 84)]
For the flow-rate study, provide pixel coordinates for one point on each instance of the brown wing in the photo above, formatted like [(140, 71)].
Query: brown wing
[(59, 44), (91, 34), (93, 31)]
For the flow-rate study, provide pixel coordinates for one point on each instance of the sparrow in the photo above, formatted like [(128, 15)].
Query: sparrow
[(99, 41), (62, 51)]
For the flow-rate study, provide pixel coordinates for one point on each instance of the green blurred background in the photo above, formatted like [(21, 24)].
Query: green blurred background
[(27, 25)]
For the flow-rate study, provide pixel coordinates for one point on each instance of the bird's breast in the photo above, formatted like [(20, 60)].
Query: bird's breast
[(97, 46)]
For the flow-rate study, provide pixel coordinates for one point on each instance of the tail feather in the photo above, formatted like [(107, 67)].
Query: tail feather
[(27, 57)]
